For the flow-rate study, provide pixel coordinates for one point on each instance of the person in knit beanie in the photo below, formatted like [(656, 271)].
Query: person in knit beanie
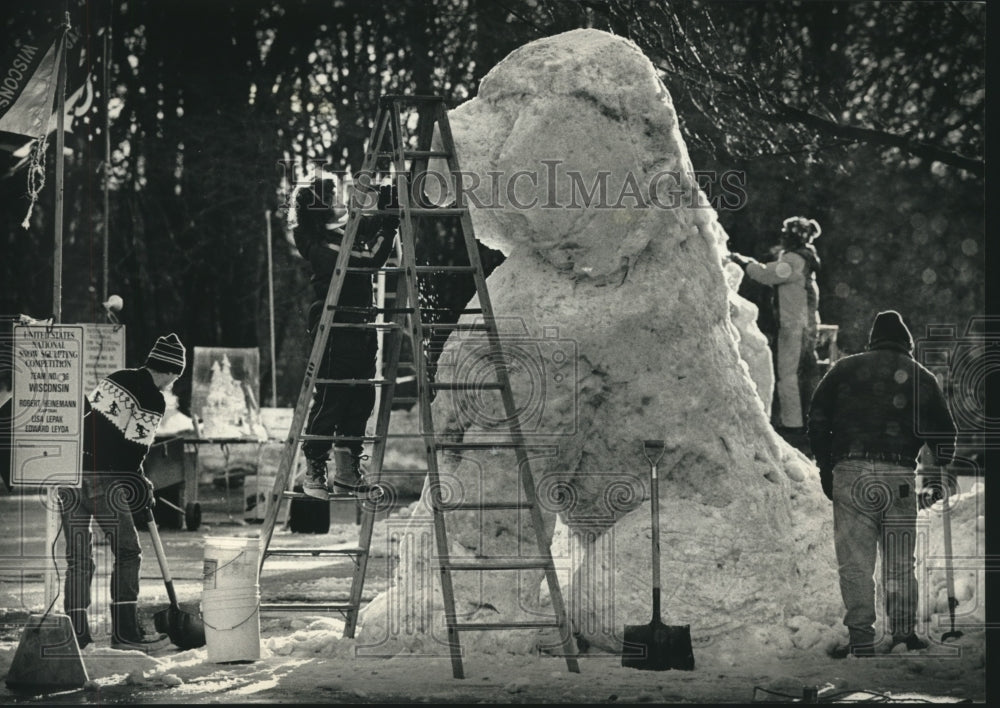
[(121, 416), (796, 296), (868, 420)]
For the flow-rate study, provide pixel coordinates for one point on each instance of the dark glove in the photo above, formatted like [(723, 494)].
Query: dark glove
[(826, 480), (388, 197)]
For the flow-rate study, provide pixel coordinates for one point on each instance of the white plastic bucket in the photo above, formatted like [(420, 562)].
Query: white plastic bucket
[(231, 562), (232, 623)]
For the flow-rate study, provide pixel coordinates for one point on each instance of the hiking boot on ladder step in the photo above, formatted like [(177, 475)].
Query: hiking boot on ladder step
[(314, 485)]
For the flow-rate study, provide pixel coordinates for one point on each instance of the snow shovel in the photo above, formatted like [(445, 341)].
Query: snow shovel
[(656, 646), (949, 574), (184, 629)]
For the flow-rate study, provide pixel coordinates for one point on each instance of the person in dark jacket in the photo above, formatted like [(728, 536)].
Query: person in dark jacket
[(793, 276), (339, 409), (869, 418), (121, 416)]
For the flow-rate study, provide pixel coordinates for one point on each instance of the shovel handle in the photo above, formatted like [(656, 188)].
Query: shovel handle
[(656, 447), (949, 574), (161, 558)]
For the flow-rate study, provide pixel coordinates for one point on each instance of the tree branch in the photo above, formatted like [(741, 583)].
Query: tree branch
[(790, 114)]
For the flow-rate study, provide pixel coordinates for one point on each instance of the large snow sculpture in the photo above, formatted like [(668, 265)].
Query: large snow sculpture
[(620, 328)]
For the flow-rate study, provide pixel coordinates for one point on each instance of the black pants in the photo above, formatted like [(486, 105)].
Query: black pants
[(339, 409)]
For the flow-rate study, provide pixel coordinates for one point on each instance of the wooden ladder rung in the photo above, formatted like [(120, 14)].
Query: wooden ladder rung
[(457, 326), (383, 326), (305, 607), (371, 310), (334, 496), (356, 382), (506, 444), (340, 438), (530, 624), (476, 386), (479, 506), (494, 564), (314, 551), (415, 269)]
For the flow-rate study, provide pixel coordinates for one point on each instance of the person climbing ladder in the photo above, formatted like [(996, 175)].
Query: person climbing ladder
[(340, 409)]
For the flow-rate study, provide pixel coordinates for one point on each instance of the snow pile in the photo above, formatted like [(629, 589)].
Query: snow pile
[(619, 327), (173, 422)]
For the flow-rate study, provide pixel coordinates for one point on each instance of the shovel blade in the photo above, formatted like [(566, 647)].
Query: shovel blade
[(185, 630), (657, 647)]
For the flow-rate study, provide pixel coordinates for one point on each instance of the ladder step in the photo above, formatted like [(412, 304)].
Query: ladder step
[(371, 310), (495, 564), (489, 506), (334, 496), (416, 269), (405, 399), (479, 386), (477, 626), (458, 326), (340, 438), (356, 382), (314, 551), (479, 445), (365, 325), (305, 607)]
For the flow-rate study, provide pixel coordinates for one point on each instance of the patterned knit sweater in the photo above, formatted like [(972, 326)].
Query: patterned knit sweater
[(120, 421)]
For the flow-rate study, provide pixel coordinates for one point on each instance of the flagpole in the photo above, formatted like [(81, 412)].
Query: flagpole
[(106, 93), (52, 505), (270, 300)]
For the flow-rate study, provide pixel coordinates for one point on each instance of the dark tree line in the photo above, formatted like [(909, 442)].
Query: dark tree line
[(851, 113)]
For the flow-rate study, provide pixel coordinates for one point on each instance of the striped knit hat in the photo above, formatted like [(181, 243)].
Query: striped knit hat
[(167, 355)]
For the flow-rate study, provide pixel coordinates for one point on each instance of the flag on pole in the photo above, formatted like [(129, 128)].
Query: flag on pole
[(28, 76)]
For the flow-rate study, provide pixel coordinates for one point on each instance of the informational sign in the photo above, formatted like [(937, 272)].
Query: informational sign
[(104, 352), (47, 405)]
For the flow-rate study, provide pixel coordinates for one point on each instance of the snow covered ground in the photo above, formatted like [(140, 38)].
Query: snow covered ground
[(305, 658)]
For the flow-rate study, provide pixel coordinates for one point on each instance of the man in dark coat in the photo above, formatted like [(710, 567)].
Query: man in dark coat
[(341, 410), (868, 420), (121, 416)]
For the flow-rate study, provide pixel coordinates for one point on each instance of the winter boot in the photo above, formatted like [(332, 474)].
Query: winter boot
[(348, 477), (861, 644), (81, 627), (314, 484), (127, 632)]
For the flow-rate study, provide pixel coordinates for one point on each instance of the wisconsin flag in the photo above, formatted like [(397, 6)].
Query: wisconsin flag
[(28, 77)]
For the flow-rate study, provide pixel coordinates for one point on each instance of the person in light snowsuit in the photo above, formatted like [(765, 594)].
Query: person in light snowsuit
[(869, 418), (341, 410), (793, 276), (121, 416)]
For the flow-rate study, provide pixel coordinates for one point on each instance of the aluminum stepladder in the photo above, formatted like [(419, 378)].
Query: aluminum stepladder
[(408, 159)]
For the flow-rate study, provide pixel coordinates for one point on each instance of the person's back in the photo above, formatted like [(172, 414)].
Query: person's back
[(876, 403), (880, 404)]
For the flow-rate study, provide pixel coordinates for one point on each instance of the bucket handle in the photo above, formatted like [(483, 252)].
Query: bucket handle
[(227, 563), (242, 622)]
